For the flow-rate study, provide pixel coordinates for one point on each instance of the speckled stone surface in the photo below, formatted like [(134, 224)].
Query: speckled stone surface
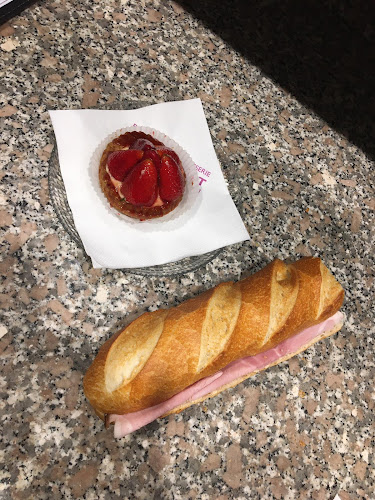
[(304, 429)]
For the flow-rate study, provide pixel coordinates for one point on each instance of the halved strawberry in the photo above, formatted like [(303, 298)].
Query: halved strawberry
[(143, 144), (121, 162), (140, 185), (172, 182), (163, 150), (153, 155)]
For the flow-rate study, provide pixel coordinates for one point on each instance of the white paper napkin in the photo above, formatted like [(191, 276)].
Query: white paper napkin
[(115, 243)]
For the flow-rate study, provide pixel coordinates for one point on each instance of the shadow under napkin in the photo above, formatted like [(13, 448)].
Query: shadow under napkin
[(322, 52)]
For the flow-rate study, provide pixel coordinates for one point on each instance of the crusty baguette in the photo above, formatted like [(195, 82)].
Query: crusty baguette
[(163, 352), (232, 384)]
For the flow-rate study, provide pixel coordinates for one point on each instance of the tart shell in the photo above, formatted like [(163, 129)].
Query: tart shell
[(122, 142)]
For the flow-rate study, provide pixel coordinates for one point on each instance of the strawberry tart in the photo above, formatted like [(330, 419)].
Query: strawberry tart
[(141, 177)]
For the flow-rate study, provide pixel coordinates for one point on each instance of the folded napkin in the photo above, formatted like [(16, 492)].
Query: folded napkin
[(112, 242)]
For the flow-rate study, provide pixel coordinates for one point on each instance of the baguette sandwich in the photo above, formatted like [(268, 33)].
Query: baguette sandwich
[(168, 360)]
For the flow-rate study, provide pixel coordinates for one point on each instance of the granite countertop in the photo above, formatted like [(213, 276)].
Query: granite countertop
[(304, 429)]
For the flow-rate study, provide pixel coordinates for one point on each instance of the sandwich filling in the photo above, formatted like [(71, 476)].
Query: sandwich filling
[(235, 371)]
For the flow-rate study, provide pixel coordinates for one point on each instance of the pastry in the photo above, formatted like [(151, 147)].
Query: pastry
[(140, 176)]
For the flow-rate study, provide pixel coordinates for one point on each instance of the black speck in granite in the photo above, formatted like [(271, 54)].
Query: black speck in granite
[(303, 429)]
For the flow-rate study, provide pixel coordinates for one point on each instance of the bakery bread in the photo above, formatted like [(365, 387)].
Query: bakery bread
[(140, 176), (167, 360)]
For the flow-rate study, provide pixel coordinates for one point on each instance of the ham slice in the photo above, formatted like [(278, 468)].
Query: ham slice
[(130, 422)]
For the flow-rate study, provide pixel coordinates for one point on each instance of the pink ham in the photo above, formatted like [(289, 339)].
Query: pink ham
[(125, 424)]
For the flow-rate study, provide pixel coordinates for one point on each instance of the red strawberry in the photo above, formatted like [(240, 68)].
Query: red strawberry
[(152, 154), (140, 185), (171, 185), (121, 162), (162, 150), (143, 144)]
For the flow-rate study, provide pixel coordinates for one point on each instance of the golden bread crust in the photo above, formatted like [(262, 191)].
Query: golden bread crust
[(234, 383), (250, 316)]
